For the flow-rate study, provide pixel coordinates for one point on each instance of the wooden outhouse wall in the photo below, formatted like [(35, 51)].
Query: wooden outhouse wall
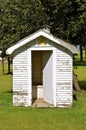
[(20, 77), (63, 78)]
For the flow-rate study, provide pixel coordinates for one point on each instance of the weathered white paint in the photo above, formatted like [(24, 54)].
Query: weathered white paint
[(57, 70), (58, 67), (59, 64), (20, 78), (64, 85)]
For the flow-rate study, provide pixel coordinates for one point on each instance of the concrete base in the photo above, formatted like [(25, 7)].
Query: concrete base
[(41, 103)]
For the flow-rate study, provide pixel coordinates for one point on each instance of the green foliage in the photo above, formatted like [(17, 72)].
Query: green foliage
[(20, 18), (68, 18)]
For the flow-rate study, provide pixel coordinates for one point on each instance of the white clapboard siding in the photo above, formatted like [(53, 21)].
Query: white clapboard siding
[(20, 78), (63, 78)]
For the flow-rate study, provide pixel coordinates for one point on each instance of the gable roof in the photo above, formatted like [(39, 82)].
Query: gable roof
[(46, 34)]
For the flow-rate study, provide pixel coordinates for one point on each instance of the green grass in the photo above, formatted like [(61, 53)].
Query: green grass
[(21, 118), (77, 59), (80, 70), (78, 56)]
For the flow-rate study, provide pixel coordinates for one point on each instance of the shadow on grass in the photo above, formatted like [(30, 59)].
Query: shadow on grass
[(79, 63), (10, 92), (10, 73), (82, 85)]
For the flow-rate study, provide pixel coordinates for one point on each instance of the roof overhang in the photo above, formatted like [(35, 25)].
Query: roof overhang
[(45, 34)]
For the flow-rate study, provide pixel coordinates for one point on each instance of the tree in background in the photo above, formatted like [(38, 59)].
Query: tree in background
[(19, 18), (68, 20)]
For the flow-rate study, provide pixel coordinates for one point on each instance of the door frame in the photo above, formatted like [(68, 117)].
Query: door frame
[(41, 48)]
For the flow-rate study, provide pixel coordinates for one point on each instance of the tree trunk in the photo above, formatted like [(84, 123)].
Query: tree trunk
[(85, 51), (81, 53), (8, 59), (2, 65), (75, 82)]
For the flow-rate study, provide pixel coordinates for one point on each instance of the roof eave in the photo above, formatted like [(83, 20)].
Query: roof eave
[(38, 33)]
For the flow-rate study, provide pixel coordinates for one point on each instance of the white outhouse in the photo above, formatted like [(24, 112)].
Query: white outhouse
[(42, 69)]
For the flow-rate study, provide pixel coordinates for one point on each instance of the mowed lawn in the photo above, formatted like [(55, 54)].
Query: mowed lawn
[(21, 118)]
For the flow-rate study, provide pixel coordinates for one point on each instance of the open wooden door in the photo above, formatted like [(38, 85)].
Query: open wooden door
[(47, 76)]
